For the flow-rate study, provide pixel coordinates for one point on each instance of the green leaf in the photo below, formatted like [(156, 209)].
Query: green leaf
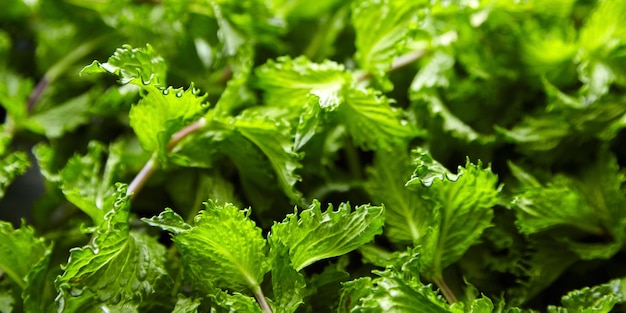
[(139, 66), (398, 289), (273, 140), (558, 203), (160, 113), (169, 221), (405, 217), (316, 236), (308, 122), (589, 202), (34, 295), (235, 302), (302, 9), (186, 305), (373, 123), (88, 183), (6, 302), (382, 30), (13, 165), (119, 266), (287, 283), (597, 299), (352, 292), (65, 117), (289, 82), (14, 93), (461, 207), (223, 248), (20, 252)]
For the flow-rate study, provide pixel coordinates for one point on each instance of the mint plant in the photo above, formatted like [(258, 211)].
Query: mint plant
[(330, 156)]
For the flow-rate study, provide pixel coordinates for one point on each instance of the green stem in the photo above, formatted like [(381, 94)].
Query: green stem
[(151, 166), (142, 177), (14, 276), (260, 298), (447, 292)]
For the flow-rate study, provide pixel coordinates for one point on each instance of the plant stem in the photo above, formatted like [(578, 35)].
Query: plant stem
[(260, 298), (406, 59), (61, 66), (398, 63), (142, 177), (447, 292), (150, 167), (187, 130)]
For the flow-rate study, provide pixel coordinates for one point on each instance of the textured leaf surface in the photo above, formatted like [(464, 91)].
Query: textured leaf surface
[(312, 235), (13, 165), (160, 113), (120, 266), (372, 122), (398, 289), (288, 82), (406, 216), (20, 251), (140, 66), (88, 183), (461, 208), (223, 248), (287, 283), (382, 30), (597, 299)]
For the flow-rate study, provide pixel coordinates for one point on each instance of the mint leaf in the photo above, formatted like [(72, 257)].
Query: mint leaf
[(236, 302), (14, 93), (20, 251), (588, 202), (315, 236), (372, 122), (558, 203), (13, 165), (119, 266), (35, 294), (88, 183), (405, 218), (139, 66), (460, 209), (383, 29), (160, 113), (65, 117), (287, 283), (271, 139), (186, 305), (290, 81), (601, 298), (398, 289), (601, 39), (223, 248)]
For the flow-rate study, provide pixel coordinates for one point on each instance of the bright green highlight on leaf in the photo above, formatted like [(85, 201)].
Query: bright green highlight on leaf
[(222, 248), (20, 250), (382, 28), (460, 208), (88, 183), (119, 266), (405, 214), (312, 235), (160, 113), (140, 66)]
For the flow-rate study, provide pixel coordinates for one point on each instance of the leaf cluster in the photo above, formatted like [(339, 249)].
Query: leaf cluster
[(297, 156)]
